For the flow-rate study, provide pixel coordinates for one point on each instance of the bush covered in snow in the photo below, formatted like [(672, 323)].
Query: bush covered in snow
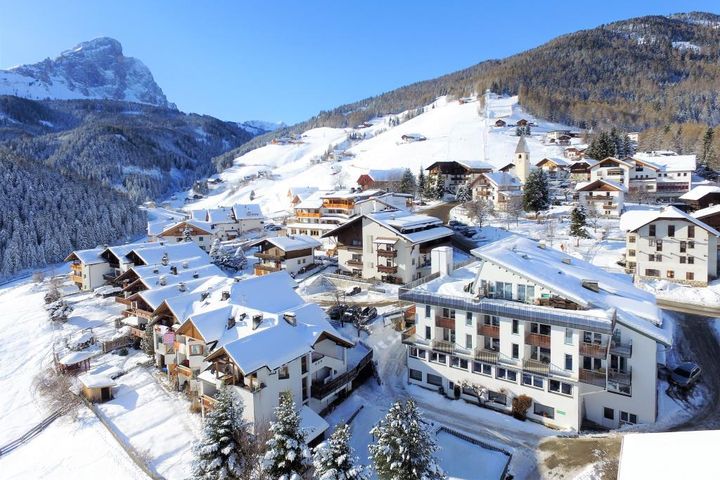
[(335, 460), (287, 457)]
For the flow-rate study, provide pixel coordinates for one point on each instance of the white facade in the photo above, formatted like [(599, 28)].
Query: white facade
[(602, 197)]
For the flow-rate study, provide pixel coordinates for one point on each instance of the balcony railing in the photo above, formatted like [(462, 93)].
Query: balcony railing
[(537, 340), (621, 349), (489, 330), (622, 377), (270, 256), (208, 402), (139, 313), (592, 377), (76, 278), (484, 355), (76, 267), (320, 390), (122, 300), (356, 248), (445, 322), (184, 371), (387, 269), (355, 262), (593, 350), (387, 253), (536, 366), (442, 346), (267, 268)]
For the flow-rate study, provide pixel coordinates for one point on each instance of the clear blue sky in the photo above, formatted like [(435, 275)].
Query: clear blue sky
[(285, 61)]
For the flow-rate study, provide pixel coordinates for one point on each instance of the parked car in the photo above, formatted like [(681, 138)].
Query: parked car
[(272, 227), (351, 314), (468, 232), (685, 375), (352, 291), (336, 311), (368, 313)]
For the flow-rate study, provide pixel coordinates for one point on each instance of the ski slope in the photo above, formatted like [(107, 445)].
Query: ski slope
[(454, 131)]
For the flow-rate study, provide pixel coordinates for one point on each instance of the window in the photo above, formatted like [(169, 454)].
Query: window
[(515, 326), (631, 239), (683, 259), (428, 332), (691, 231), (531, 380), (503, 290), (413, 352), (438, 358), (506, 374), (540, 328), (457, 362), (568, 336), (658, 245), (448, 313), (427, 311), (541, 354), (652, 230), (568, 362), (671, 230), (670, 274), (689, 276), (283, 372), (683, 246), (468, 341), (482, 368), (691, 243), (691, 259), (515, 350), (497, 397), (543, 410), (415, 374), (609, 413), (304, 363), (196, 349), (627, 418), (468, 318), (651, 272), (631, 253), (491, 320), (434, 380), (557, 386)]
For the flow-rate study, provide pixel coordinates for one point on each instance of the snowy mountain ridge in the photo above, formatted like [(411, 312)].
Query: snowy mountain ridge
[(96, 69)]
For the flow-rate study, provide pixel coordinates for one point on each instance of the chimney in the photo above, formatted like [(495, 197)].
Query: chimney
[(290, 318), (173, 270), (185, 264), (230, 322), (257, 320), (567, 261), (591, 285), (165, 259), (204, 295), (225, 295), (181, 286), (156, 270), (441, 260), (196, 275), (163, 280)]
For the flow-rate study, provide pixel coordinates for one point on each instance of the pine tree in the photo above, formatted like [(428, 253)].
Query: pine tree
[(335, 460), (536, 192), (430, 191), (215, 251), (404, 449), (407, 183), (252, 195), (287, 456), (578, 222), (602, 146), (421, 181), (227, 448), (707, 156), (464, 193), (438, 191)]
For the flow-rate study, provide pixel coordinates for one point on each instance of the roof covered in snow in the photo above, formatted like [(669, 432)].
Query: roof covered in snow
[(706, 212), (291, 243), (389, 175), (244, 211), (89, 256), (503, 179), (669, 161), (699, 192), (522, 145), (667, 213), (596, 184), (206, 227), (154, 252), (96, 380), (413, 227)]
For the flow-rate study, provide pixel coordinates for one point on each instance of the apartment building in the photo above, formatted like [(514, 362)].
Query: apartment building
[(198, 232), (88, 268), (294, 254), (671, 245), (602, 197), (391, 246), (452, 174), (498, 189), (526, 319)]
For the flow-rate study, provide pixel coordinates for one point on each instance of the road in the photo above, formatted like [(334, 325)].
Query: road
[(698, 342), (442, 211)]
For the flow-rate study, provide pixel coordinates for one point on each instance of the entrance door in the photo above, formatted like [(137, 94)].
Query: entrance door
[(105, 394)]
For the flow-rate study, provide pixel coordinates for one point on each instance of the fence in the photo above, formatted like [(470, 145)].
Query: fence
[(120, 342), (5, 449)]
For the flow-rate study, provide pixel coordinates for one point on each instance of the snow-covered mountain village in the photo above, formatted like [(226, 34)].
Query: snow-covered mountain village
[(463, 289)]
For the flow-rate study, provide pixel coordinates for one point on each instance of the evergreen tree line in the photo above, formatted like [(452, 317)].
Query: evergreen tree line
[(45, 215), (610, 144), (404, 448)]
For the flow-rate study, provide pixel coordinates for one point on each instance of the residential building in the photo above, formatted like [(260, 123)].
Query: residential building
[(612, 169), (573, 153), (298, 194), (674, 174), (391, 246), (196, 231), (88, 268), (452, 174), (580, 170), (498, 189), (500, 123), (709, 216), (526, 319), (294, 254), (602, 197), (701, 197), (671, 245), (381, 179), (228, 223)]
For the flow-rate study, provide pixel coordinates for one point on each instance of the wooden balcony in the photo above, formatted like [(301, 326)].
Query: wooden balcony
[(484, 355), (139, 313), (76, 278), (122, 300), (592, 377), (208, 402), (593, 350), (444, 322), (345, 206), (488, 330), (536, 366), (261, 267), (387, 253), (270, 256), (353, 262), (387, 269), (184, 371), (307, 214), (76, 267), (352, 248), (537, 340)]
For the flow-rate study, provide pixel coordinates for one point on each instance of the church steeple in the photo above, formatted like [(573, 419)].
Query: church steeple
[(522, 159)]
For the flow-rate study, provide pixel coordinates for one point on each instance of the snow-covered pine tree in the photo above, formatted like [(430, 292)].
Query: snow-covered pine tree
[(215, 251), (536, 192), (463, 194), (226, 450), (404, 449), (578, 222), (287, 456), (335, 460), (421, 182), (407, 182)]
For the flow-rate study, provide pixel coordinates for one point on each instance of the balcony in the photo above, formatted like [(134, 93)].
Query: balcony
[(621, 349), (184, 371), (489, 330), (208, 402), (307, 214), (536, 366), (387, 269), (537, 340), (76, 267), (76, 278), (355, 262), (484, 355), (445, 322), (353, 248), (343, 206), (621, 377), (387, 253), (443, 346), (267, 268), (270, 256), (122, 300), (139, 313), (593, 377), (593, 350)]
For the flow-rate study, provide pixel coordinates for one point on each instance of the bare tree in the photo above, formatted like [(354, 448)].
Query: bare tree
[(478, 211), (513, 211), (55, 391)]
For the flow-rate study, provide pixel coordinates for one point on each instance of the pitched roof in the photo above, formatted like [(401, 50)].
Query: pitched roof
[(291, 243), (154, 253), (671, 213), (706, 212), (593, 185), (199, 224), (522, 145), (561, 162), (502, 179), (669, 161), (699, 192), (89, 256), (243, 211), (389, 175), (415, 228)]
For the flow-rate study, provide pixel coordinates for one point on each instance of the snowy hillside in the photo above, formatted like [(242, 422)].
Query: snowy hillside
[(454, 131), (96, 69)]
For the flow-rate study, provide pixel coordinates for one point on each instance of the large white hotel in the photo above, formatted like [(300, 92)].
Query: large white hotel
[(582, 343)]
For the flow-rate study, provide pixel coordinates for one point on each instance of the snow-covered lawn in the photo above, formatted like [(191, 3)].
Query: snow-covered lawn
[(155, 422), (463, 460)]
